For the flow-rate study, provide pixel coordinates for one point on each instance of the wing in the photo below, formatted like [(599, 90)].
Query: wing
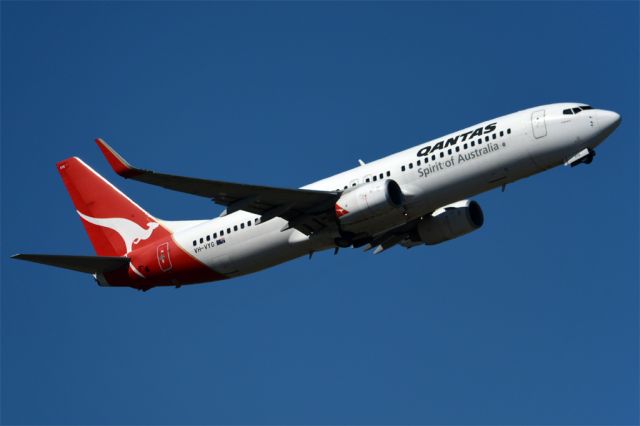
[(306, 210), (88, 264), (403, 235)]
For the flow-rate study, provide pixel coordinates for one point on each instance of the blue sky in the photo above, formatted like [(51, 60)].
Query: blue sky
[(531, 320)]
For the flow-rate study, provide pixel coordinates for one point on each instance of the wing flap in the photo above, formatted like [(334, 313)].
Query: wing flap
[(87, 264)]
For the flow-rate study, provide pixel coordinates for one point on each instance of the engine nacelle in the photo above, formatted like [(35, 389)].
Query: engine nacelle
[(449, 222), (372, 207)]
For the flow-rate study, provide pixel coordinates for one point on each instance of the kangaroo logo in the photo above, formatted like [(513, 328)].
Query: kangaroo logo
[(130, 232), (340, 211)]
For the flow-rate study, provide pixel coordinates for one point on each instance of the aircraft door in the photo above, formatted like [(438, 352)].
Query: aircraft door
[(163, 257), (538, 124)]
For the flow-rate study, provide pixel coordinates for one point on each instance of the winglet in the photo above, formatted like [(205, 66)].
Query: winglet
[(119, 164)]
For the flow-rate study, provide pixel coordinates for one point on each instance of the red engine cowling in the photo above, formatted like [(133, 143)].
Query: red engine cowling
[(451, 222), (371, 208)]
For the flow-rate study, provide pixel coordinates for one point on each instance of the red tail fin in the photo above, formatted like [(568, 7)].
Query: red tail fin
[(115, 224)]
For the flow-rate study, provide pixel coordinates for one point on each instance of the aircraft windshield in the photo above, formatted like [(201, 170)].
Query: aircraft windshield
[(571, 111)]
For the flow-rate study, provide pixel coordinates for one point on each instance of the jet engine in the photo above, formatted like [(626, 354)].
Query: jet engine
[(371, 208), (449, 222)]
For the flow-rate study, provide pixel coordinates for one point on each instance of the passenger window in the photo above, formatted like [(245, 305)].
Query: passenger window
[(433, 157), (465, 146), (449, 152), (457, 149), (494, 135), (208, 238), (248, 223), (367, 180), (418, 163), (195, 243), (411, 165), (375, 178), (501, 133), (381, 176), (403, 168), (480, 141), (228, 230), (509, 131), (473, 143), (221, 232), (441, 154), (215, 235), (388, 173), (242, 225), (201, 240), (345, 187)]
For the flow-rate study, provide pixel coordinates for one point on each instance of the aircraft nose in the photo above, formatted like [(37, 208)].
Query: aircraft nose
[(608, 119)]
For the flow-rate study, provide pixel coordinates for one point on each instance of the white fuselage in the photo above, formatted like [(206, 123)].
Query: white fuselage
[(520, 144)]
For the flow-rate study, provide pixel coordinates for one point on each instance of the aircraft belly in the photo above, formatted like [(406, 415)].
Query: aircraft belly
[(249, 250), (266, 250)]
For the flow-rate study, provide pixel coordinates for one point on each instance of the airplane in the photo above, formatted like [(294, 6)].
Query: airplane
[(419, 196)]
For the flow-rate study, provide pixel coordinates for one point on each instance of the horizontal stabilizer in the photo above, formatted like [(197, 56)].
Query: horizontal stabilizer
[(88, 264)]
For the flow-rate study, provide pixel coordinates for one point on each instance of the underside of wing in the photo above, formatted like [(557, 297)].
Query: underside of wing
[(305, 210), (401, 235)]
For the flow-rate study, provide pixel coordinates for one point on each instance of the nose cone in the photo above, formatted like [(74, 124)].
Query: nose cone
[(608, 119)]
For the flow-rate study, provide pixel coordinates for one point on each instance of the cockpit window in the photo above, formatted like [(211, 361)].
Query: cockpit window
[(576, 110)]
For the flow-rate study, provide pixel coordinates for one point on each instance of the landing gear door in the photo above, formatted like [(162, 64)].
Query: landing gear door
[(538, 124)]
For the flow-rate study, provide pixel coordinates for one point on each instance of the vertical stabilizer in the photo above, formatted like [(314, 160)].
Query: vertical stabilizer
[(116, 225)]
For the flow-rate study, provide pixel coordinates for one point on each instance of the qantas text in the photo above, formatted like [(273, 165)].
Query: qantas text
[(453, 140), (462, 158)]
